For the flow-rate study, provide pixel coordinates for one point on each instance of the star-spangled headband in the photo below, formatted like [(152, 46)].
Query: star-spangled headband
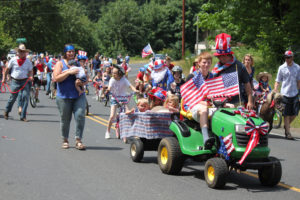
[(220, 51), (69, 48)]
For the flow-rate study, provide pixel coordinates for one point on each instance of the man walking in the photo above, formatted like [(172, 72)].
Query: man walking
[(289, 75), (21, 70)]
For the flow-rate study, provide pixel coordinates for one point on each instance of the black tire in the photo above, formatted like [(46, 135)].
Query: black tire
[(271, 175), (137, 150), (169, 156), (86, 107), (216, 172), (32, 98), (277, 119)]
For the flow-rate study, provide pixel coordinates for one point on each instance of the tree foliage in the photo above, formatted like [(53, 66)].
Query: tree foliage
[(268, 25)]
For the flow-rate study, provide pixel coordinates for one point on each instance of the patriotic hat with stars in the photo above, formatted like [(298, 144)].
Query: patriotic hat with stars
[(223, 45), (158, 93), (289, 53), (158, 64)]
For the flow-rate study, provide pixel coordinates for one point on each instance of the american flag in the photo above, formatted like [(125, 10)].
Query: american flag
[(194, 91), (226, 84), (82, 53), (226, 146), (147, 51)]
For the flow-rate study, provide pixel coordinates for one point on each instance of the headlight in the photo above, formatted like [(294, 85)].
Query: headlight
[(239, 128)]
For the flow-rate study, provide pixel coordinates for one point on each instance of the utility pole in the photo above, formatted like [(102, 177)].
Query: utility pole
[(183, 27), (197, 34)]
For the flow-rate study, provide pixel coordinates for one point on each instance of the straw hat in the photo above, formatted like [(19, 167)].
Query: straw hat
[(22, 47), (261, 74)]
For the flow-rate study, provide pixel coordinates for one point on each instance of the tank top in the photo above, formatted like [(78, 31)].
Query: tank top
[(66, 89)]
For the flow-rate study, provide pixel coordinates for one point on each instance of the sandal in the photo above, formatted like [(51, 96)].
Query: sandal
[(79, 146), (65, 145)]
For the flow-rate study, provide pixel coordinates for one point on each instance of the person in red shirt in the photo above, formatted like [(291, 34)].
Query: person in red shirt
[(168, 63), (139, 82)]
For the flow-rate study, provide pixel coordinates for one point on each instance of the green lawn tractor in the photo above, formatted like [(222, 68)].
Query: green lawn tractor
[(188, 143)]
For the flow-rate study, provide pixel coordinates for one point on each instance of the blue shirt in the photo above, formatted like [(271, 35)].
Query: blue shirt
[(66, 89), (289, 76), (96, 64)]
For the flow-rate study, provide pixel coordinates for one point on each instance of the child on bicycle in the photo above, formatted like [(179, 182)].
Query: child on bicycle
[(97, 81), (105, 78), (117, 86), (172, 103)]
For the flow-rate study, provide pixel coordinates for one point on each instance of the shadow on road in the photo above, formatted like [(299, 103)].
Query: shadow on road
[(43, 114), (234, 181), (103, 148), (32, 120)]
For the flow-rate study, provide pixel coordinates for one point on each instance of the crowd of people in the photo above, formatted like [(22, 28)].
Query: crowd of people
[(158, 84)]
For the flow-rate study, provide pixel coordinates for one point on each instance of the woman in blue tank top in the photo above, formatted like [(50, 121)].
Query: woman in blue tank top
[(68, 100)]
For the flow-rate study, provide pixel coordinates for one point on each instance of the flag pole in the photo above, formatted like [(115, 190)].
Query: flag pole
[(238, 84)]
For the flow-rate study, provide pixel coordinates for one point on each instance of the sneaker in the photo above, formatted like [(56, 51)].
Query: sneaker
[(107, 135)]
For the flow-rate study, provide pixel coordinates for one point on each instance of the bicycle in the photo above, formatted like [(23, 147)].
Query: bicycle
[(122, 102), (32, 97), (277, 119)]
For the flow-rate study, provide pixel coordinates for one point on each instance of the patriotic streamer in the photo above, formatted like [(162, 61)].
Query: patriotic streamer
[(254, 132), (245, 113)]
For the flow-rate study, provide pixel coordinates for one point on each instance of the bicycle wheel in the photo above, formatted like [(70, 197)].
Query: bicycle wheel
[(32, 97), (277, 119)]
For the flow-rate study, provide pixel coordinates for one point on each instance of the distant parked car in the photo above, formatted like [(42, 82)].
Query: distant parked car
[(159, 56)]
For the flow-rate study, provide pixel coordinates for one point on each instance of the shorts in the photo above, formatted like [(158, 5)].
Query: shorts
[(113, 101), (37, 82), (291, 106), (195, 113)]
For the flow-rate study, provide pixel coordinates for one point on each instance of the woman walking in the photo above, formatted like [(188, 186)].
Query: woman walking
[(68, 99)]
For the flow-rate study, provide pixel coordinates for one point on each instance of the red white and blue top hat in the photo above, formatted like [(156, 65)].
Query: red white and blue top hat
[(158, 93), (223, 45), (158, 64)]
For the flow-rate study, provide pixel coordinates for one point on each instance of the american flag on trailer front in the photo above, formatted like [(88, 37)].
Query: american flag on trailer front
[(82, 53), (194, 91), (226, 84), (147, 51)]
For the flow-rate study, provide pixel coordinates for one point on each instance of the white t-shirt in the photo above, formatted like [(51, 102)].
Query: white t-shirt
[(118, 88), (19, 72)]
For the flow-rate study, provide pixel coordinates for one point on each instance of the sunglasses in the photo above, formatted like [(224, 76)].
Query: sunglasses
[(288, 57)]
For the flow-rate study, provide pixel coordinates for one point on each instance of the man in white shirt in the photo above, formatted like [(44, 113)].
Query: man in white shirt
[(289, 75), (21, 73)]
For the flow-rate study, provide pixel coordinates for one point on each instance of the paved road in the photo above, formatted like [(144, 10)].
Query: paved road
[(34, 167)]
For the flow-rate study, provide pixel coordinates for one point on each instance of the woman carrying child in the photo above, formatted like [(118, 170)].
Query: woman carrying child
[(68, 99)]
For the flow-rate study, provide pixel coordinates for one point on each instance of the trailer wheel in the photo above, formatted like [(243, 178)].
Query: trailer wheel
[(137, 150)]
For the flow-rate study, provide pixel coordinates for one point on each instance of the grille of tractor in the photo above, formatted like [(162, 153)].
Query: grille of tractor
[(243, 139)]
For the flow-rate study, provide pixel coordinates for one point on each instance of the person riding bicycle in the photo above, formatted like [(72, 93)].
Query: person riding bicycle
[(178, 81), (117, 86), (38, 74)]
